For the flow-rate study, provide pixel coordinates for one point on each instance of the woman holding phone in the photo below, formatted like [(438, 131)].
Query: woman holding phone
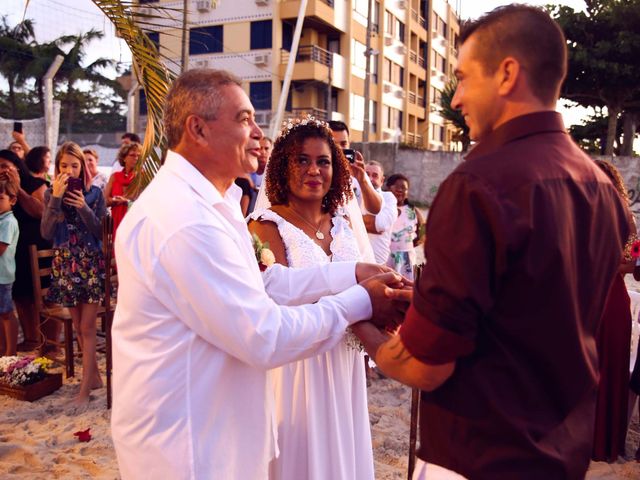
[(72, 218)]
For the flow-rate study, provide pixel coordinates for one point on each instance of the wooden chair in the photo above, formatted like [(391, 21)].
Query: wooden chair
[(51, 313), (110, 284)]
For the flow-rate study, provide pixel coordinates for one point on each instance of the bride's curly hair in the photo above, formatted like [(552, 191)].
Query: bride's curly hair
[(289, 144)]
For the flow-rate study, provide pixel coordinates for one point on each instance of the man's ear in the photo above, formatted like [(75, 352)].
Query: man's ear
[(508, 74), (194, 129)]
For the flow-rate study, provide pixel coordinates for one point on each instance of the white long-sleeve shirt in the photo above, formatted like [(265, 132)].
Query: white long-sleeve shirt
[(380, 242), (195, 332)]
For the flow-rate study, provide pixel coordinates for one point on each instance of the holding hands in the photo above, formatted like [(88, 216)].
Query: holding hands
[(390, 294)]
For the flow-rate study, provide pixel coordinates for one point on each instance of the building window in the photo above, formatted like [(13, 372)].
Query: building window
[(401, 79), (358, 57), (205, 40), (333, 44), (437, 132), (387, 72), (260, 95), (287, 36), (155, 38), (374, 69), (399, 30), (373, 116), (388, 22), (261, 34)]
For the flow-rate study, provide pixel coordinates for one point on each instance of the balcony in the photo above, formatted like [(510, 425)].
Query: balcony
[(321, 15), (413, 139), (303, 112), (312, 63), (309, 53), (419, 19)]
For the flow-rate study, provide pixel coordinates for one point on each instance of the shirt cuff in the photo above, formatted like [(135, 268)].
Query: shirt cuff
[(342, 275), (431, 343), (357, 304)]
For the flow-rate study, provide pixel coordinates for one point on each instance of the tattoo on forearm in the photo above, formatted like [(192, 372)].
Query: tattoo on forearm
[(398, 352)]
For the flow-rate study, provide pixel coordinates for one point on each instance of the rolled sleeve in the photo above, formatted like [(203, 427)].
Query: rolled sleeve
[(456, 288)]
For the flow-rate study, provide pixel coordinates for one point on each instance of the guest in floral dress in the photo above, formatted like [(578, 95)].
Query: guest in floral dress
[(406, 232), (72, 219)]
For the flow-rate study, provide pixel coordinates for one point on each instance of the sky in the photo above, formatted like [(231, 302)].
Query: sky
[(54, 18)]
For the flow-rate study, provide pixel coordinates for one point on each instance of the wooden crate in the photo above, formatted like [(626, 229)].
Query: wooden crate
[(32, 392)]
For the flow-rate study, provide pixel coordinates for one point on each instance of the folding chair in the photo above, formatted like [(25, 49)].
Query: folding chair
[(51, 313)]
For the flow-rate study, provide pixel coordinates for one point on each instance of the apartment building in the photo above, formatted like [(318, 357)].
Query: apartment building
[(412, 56)]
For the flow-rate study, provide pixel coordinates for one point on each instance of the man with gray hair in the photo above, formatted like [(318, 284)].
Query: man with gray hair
[(195, 331), (379, 226)]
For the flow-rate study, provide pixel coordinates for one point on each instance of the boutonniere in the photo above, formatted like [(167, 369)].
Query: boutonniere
[(264, 256)]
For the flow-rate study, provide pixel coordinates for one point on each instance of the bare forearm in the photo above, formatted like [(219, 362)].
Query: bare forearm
[(31, 205), (370, 198), (396, 361)]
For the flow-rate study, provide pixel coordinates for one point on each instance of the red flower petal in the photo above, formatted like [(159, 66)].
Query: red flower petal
[(83, 436)]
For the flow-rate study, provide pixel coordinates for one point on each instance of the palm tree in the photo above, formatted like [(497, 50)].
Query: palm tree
[(150, 72), (14, 54), (41, 57), (454, 116), (74, 70)]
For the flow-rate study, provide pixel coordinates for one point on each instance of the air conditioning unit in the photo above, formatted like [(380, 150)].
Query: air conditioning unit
[(402, 4), (388, 41), (402, 50), (201, 63), (262, 3), (386, 88), (263, 117), (400, 94), (261, 59), (203, 5)]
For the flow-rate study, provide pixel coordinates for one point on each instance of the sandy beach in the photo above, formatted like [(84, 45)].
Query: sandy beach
[(37, 441)]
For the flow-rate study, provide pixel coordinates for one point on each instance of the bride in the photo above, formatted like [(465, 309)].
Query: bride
[(321, 402)]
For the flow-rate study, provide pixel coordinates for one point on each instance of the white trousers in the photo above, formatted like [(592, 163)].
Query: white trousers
[(429, 471)]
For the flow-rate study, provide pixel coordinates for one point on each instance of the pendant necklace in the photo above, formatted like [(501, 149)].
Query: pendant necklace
[(318, 233)]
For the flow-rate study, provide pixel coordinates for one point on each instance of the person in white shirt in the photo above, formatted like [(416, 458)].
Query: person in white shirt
[(365, 197), (194, 331), (379, 226)]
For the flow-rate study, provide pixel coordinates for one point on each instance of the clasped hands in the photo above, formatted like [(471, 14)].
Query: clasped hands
[(390, 294)]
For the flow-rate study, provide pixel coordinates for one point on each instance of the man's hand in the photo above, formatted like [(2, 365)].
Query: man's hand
[(368, 270), (387, 312)]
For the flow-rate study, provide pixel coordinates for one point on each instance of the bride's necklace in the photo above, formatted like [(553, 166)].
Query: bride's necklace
[(318, 233)]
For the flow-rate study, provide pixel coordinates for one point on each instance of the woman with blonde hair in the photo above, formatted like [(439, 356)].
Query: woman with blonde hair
[(72, 218)]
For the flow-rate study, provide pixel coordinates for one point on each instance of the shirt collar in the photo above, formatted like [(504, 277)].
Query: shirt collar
[(519, 127), (6, 214), (181, 167)]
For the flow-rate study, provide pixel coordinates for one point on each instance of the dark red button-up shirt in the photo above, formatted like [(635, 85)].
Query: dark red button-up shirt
[(524, 239)]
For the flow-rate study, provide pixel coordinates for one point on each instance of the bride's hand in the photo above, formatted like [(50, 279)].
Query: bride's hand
[(368, 270)]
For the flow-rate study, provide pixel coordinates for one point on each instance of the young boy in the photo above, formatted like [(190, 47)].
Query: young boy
[(8, 240)]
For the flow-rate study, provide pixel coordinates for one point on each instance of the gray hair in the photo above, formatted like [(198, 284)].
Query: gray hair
[(373, 163), (195, 92)]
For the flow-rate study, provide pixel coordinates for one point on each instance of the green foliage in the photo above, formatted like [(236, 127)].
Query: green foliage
[(604, 57), (453, 116)]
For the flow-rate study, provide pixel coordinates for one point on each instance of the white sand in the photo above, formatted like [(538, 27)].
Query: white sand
[(37, 442)]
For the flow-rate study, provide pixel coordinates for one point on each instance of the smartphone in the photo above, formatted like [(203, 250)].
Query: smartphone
[(17, 127), (350, 153), (74, 184)]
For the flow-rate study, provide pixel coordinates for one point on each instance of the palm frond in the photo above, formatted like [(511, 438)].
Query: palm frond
[(150, 72)]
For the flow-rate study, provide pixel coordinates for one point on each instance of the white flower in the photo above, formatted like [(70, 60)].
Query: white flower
[(267, 258)]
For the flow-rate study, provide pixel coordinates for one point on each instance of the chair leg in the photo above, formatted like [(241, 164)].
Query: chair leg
[(68, 348), (108, 320)]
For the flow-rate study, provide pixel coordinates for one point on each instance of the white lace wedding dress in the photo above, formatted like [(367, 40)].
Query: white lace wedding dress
[(321, 402)]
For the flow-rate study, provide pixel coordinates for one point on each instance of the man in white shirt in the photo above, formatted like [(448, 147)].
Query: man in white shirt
[(195, 331), (365, 197), (379, 226)]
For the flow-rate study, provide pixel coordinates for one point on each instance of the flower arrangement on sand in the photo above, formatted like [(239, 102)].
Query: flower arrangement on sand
[(20, 371)]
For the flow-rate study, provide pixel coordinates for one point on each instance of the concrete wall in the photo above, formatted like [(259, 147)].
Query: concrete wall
[(427, 169)]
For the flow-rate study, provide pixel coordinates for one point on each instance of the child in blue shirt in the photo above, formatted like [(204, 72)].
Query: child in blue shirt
[(8, 240)]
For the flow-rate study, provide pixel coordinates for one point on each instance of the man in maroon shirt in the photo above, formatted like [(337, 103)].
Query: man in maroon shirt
[(524, 239)]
